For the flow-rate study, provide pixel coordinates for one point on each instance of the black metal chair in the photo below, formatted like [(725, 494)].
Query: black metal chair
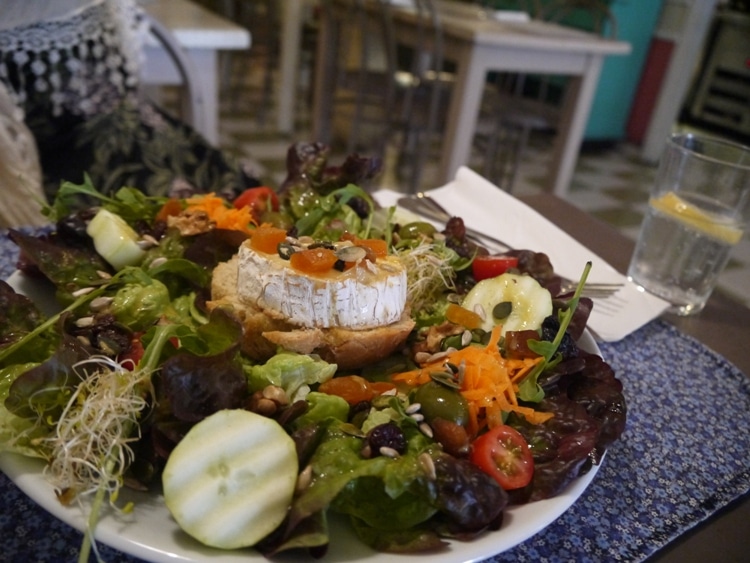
[(192, 102), (387, 93)]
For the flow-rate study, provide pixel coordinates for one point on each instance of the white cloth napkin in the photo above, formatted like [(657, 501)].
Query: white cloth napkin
[(488, 209)]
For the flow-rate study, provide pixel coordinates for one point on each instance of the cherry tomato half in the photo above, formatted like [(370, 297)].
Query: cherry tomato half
[(484, 267), (259, 199), (505, 456)]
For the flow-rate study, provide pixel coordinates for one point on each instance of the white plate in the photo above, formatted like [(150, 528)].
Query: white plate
[(151, 534)]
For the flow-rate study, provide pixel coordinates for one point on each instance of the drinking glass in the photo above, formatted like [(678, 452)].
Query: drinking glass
[(698, 210)]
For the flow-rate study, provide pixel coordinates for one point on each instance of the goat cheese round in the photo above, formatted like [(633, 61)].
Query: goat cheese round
[(369, 295)]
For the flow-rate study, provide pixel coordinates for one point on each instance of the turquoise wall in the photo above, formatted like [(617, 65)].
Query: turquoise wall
[(636, 21)]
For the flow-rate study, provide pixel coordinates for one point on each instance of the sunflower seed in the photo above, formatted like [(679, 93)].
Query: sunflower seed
[(461, 371), (158, 261), (147, 241), (101, 302), (479, 310), (437, 356), (388, 452), (426, 429), (84, 322), (427, 463), (304, 479), (421, 357), (372, 267), (82, 291), (412, 408)]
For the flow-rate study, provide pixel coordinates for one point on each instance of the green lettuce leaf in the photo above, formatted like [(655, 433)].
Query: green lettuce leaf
[(294, 373), (129, 203), (322, 407)]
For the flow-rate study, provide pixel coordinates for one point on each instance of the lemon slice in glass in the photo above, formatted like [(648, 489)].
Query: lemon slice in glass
[(671, 204)]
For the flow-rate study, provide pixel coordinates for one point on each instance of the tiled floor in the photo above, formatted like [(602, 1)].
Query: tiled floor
[(610, 183)]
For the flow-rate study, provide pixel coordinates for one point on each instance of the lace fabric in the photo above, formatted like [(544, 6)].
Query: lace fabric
[(83, 62), (20, 173), (72, 68)]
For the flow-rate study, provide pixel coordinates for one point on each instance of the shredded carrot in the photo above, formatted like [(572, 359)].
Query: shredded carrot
[(224, 215), (489, 383)]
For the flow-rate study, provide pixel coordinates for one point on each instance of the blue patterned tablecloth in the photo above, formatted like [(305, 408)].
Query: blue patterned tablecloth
[(683, 456)]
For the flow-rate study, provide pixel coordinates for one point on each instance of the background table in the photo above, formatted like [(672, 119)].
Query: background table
[(203, 34), (479, 45)]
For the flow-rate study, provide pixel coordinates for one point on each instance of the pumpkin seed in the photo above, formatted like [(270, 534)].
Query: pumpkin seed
[(502, 310), (351, 253), (445, 378), (322, 244), (285, 250)]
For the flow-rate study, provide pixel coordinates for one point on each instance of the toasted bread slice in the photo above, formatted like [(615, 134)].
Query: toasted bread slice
[(264, 334)]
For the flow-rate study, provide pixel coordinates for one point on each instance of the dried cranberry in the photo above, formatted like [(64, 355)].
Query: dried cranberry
[(387, 435)]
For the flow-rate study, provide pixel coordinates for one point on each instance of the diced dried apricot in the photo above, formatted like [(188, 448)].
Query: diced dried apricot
[(352, 388), (378, 246), (267, 238), (313, 260), (461, 316), (170, 208), (517, 343)]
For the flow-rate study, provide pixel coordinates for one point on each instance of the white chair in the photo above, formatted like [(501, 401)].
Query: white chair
[(192, 102)]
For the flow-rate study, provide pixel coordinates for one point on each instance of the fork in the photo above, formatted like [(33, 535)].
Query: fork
[(422, 204)]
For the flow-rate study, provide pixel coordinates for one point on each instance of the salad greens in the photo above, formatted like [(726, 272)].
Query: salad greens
[(529, 389), (129, 203), (140, 347)]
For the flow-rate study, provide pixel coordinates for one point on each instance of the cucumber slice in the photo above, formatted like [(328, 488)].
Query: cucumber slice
[(115, 240), (527, 302), (230, 480)]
